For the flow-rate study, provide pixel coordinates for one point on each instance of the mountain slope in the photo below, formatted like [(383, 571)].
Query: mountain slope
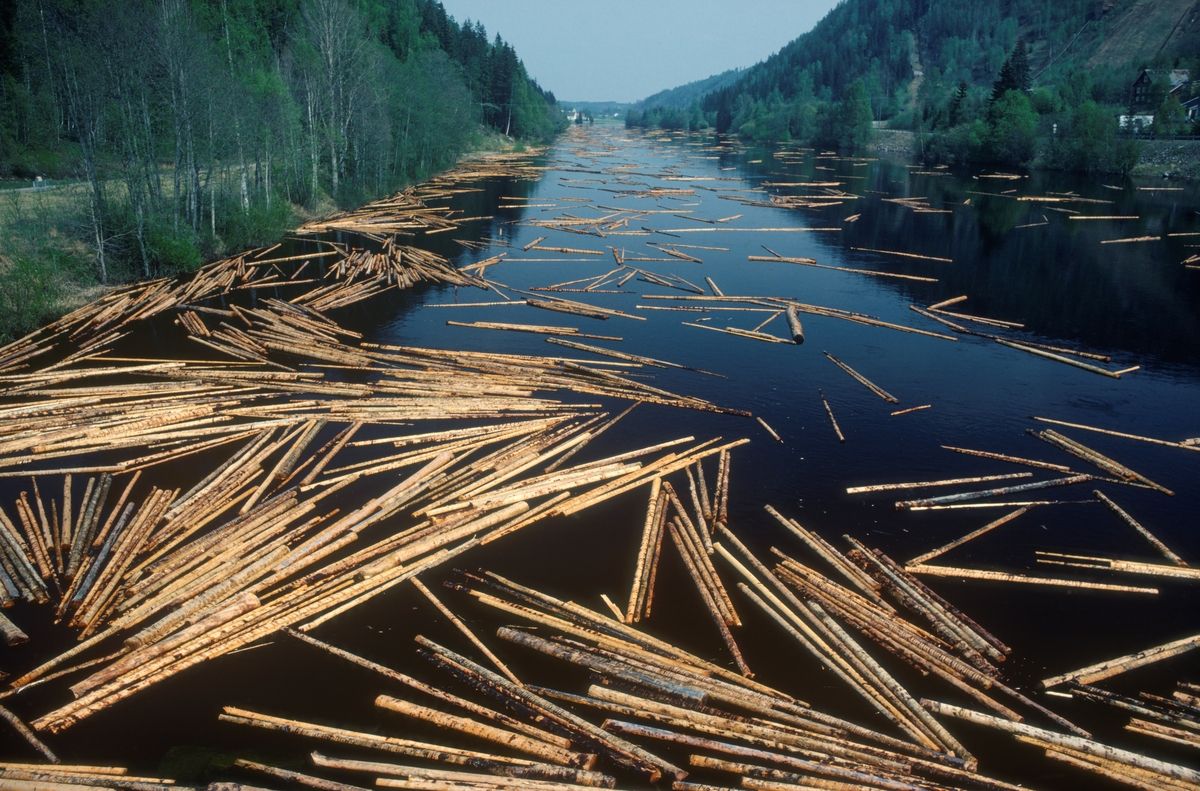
[(879, 41), (684, 95), (1144, 28)]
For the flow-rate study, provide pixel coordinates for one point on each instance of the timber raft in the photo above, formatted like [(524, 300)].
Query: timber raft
[(177, 509)]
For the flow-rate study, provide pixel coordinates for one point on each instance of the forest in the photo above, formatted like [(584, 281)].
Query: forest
[(166, 132), (941, 68)]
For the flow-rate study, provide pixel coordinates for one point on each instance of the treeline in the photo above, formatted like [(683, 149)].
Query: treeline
[(847, 122), (882, 42), (194, 127), (931, 66), (1065, 126)]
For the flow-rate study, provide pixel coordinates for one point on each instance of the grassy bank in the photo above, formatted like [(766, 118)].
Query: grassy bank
[(48, 262)]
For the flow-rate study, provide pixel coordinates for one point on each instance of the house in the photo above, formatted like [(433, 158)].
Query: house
[(1192, 107), (1145, 81), (1135, 123)]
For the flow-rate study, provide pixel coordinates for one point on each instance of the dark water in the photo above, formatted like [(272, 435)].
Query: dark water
[(1018, 261)]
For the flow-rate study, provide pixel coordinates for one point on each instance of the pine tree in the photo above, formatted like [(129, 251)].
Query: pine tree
[(1020, 67), (957, 102), (1014, 74)]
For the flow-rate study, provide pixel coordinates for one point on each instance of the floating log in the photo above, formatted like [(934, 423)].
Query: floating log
[(1057, 357), (11, 633), (794, 325), (1114, 667), (911, 409), (618, 750), (28, 735), (1092, 457), (947, 302), (769, 430), (953, 498), (1146, 534), (547, 752), (887, 487), (1000, 576), (864, 381), (1126, 566), (462, 627), (435, 692), (1183, 445), (1073, 742), (905, 255), (1045, 465), (832, 420), (958, 542), (813, 263), (539, 777)]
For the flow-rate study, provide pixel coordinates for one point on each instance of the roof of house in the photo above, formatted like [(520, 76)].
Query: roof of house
[(1176, 76)]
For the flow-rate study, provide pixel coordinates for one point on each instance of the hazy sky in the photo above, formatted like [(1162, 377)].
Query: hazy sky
[(625, 50)]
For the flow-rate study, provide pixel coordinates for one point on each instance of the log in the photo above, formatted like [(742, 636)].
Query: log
[(1073, 742), (954, 498), (1146, 534), (1127, 566), (911, 409), (921, 559), (11, 632), (1013, 459), (886, 487), (863, 380), (28, 735), (535, 777), (811, 767), (1000, 576), (633, 611), (618, 750), (1114, 667), (1092, 457), (547, 752), (710, 602), (832, 420), (1058, 358), (289, 776), (462, 627), (1121, 434)]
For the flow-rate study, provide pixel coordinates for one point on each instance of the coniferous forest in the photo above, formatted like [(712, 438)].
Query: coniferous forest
[(169, 131), (942, 68)]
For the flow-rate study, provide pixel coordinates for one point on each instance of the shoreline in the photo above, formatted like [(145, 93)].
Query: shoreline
[(71, 295)]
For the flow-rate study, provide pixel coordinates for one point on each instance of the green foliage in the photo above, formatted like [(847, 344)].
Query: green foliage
[(963, 143), (1089, 142), (193, 128), (1170, 118), (852, 120), (1014, 73), (29, 291), (1012, 130)]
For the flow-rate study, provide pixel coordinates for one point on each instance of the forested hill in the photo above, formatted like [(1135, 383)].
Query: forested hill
[(187, 128), (684, 95), (888, 42)]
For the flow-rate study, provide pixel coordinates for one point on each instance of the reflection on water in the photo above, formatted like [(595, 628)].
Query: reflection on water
[(1019, 261)]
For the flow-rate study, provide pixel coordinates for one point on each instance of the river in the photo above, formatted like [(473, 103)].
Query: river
[(1025, 251)]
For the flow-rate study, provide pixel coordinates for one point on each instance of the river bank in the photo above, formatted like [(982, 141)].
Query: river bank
[(1174, 159), (1168, 159), (48, 269)]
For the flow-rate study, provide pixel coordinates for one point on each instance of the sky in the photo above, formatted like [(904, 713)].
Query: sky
[(626, 50)]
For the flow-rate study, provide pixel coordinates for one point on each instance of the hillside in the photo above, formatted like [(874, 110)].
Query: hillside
[(684, 95), (1144, 28), (953, 41)]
